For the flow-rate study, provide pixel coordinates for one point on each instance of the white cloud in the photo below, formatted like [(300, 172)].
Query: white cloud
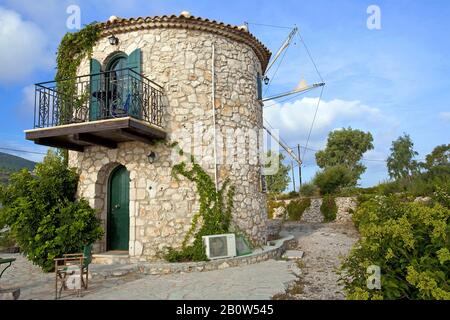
[(22, 47), (294, 120), (26, 106), (445, 116)]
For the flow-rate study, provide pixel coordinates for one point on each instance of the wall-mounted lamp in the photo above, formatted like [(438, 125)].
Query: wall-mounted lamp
[(113, 40), (151, 157), (266, 80)]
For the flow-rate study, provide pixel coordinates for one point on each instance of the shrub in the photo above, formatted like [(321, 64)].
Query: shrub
[(44, 217), (408, 241), (6, 240), (308, 190), (285, 196), (295, 208), (421, 184), (389, 187), (328, 208), (332, 179)]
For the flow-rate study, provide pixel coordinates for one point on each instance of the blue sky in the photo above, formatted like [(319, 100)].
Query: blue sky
[(386, 81)]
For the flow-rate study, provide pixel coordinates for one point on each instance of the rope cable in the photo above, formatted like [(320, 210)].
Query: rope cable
[(24, 151), (276, 70), (268, 25), (312, 124), (309, 55)]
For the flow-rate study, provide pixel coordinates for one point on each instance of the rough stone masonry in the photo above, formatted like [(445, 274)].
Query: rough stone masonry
[(177, 54)]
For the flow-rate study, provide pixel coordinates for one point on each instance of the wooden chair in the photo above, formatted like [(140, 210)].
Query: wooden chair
[(69, 268)]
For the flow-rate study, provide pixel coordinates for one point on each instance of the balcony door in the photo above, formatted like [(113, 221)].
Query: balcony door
[(117, 91), (117, 87)]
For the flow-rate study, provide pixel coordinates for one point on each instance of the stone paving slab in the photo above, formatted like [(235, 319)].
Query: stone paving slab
[(255, 281), (293, 254), (258, 281)]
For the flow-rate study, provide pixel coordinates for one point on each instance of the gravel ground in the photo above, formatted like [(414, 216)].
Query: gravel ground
[(324, 246)]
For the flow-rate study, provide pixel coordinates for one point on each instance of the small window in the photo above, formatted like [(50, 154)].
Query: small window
[(259, 86), (263, 186)]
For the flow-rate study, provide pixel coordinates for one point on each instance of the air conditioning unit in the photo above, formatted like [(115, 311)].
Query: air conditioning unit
[(220, 246)]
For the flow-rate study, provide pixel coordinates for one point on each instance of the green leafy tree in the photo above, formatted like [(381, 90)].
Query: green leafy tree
[(346, 147), (439, 157), (45, 218), (279, 181), (401, 163), (333, 179)]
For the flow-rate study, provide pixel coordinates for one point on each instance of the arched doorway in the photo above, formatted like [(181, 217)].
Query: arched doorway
[(118, 219)]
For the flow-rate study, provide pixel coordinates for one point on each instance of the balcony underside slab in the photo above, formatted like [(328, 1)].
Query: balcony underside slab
[(107, 133)]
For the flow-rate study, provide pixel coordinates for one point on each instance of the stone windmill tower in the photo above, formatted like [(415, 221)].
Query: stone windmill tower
[(152, 79)]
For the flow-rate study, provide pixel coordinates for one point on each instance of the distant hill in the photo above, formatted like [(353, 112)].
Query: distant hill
[(10, 163)]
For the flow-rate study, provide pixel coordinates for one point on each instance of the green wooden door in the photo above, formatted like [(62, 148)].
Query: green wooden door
[(118, 209)]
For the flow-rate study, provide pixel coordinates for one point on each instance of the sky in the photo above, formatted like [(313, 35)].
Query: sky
[(388, 81)]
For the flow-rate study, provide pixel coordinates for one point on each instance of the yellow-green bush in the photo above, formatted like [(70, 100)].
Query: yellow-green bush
[(271, 206), (328, 208), (410, 242), (295, 208)]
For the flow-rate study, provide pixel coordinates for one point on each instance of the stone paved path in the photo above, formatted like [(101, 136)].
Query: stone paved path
[(37, 285), (324, 245), (257, 281)]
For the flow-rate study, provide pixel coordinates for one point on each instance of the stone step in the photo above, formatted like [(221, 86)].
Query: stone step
[(111, 270), (111, 258), (292, 254)]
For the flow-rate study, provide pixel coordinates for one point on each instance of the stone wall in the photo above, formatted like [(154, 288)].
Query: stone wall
[(345, 206), (275, 251), (313, 214), (161, 208)]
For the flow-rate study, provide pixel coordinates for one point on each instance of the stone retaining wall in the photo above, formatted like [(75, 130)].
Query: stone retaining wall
[(345, 206), (313, 214), (272, 252)]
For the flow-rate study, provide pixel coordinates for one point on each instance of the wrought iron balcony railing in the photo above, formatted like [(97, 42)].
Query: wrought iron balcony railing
[(105, 95)]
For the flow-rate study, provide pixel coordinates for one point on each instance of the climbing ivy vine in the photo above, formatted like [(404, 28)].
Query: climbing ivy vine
[(213, 217), (74, 47)]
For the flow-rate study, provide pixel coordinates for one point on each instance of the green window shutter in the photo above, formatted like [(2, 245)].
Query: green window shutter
[(95, 86), (134, 87), (134, 61)]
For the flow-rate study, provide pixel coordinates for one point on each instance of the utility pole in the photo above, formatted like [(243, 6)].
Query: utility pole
[(293, 176), (299, 169)]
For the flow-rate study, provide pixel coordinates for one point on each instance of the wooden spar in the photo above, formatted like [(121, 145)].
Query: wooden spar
[(285, 147), (281, 95), (282, 48)]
